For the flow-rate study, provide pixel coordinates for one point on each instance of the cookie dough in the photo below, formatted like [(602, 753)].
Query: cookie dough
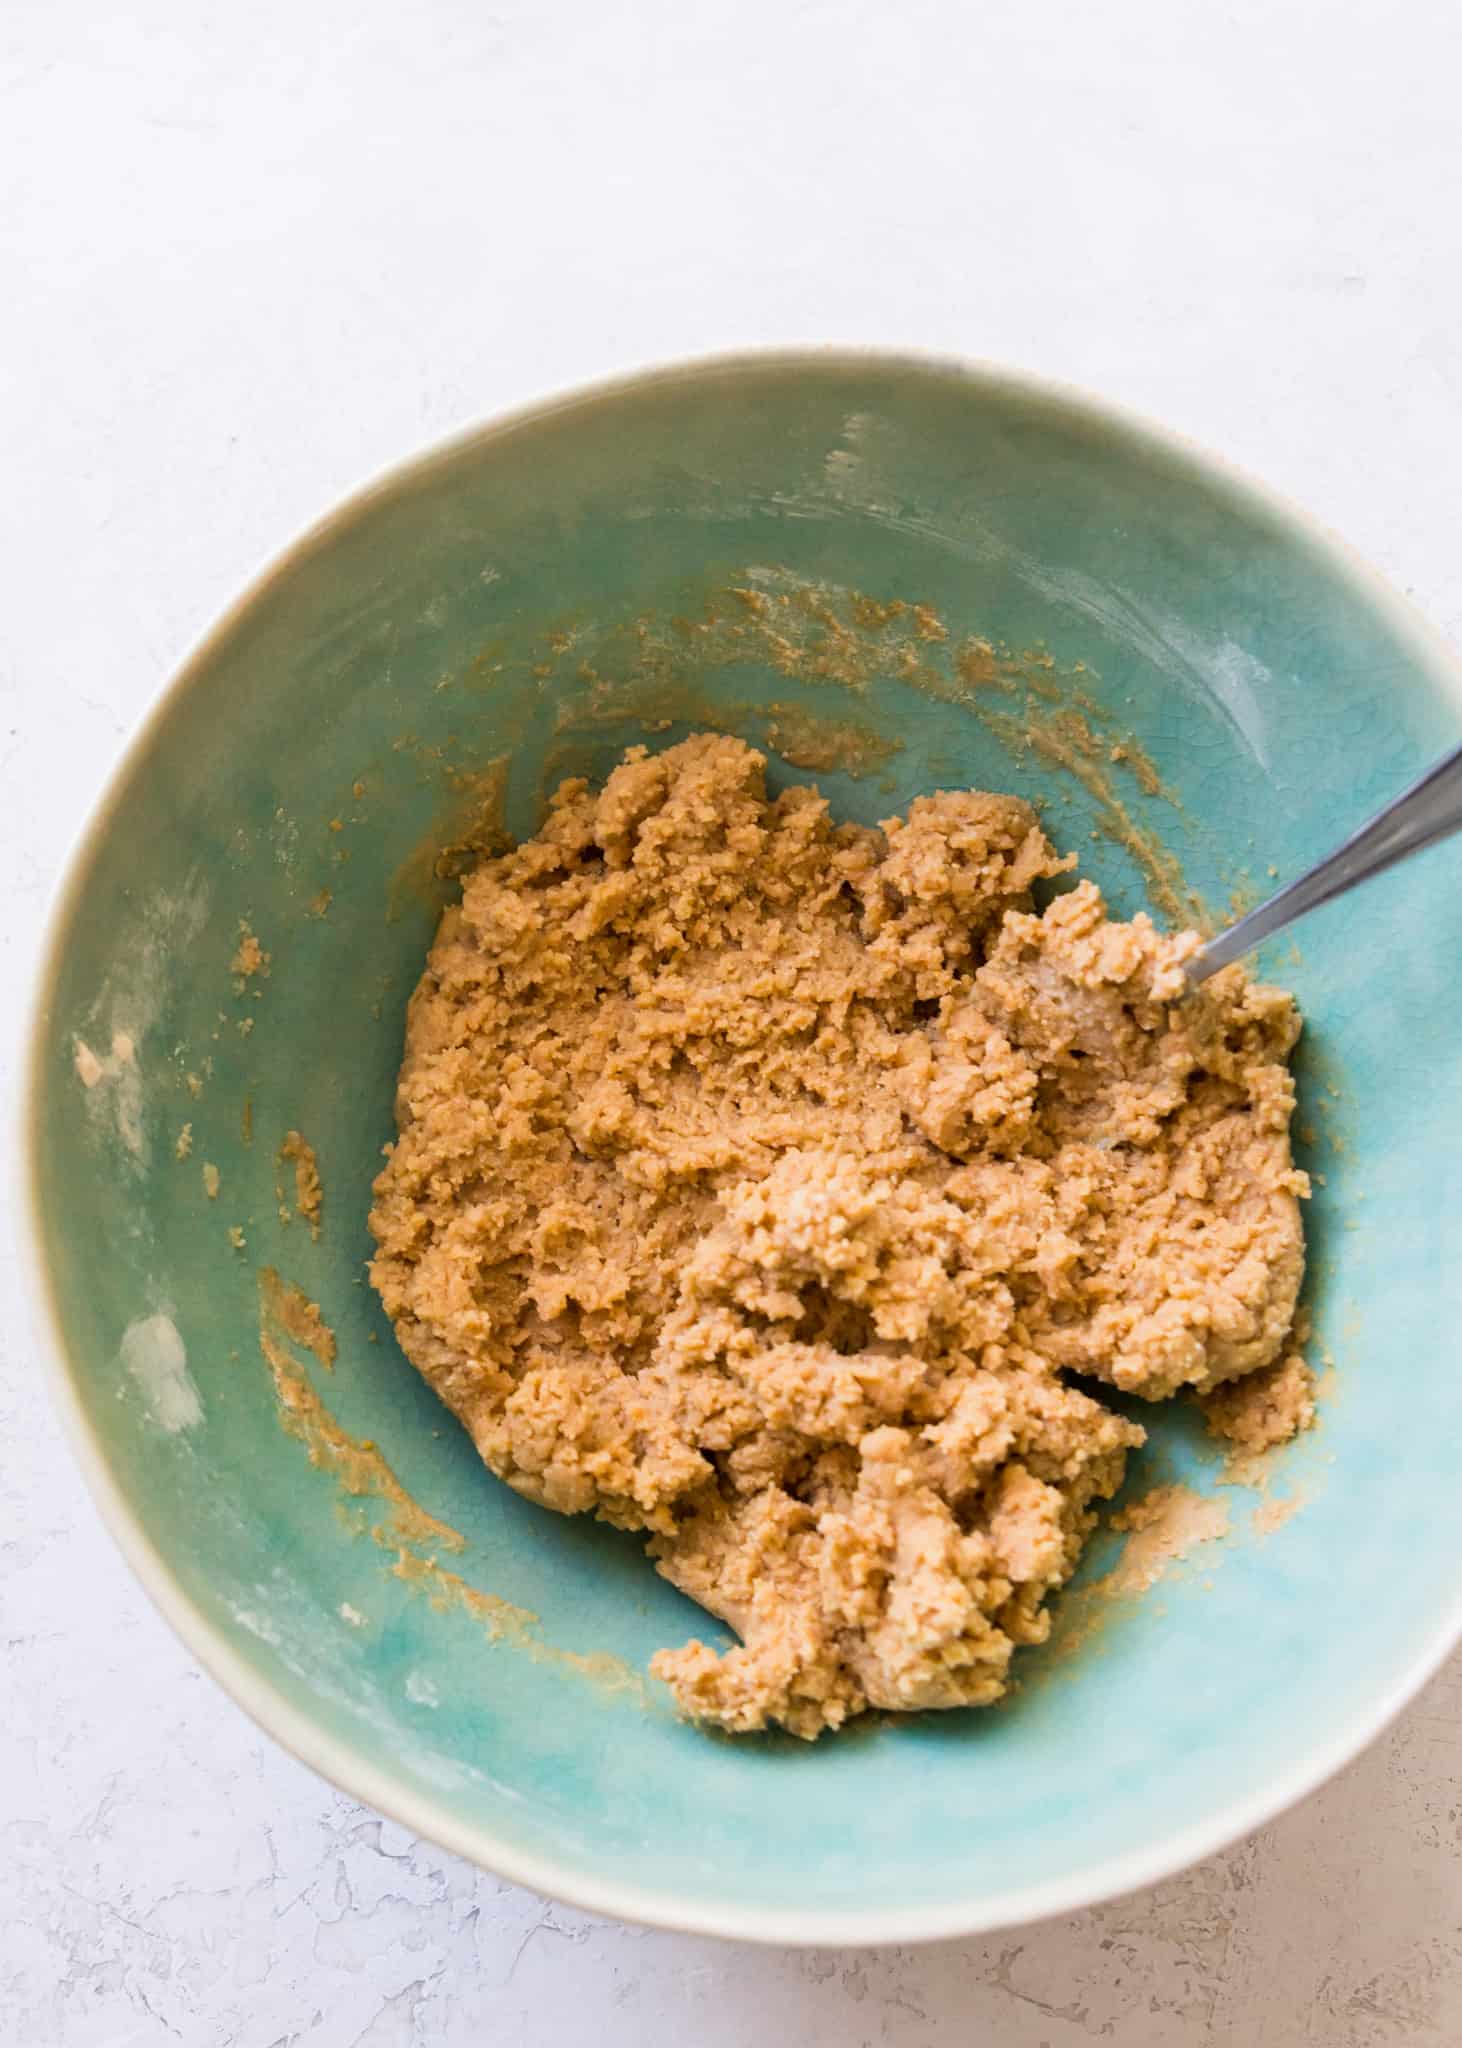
[(1264, 1408), (762, 1182)]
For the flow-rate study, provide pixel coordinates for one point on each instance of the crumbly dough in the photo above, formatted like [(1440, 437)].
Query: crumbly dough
[(1265, 1408), (760, 1181), (309, 1191)]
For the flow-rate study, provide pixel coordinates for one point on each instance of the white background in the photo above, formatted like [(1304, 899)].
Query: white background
[(248, 255)]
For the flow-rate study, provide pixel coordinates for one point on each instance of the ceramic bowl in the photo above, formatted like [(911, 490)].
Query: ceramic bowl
[(893, 575)]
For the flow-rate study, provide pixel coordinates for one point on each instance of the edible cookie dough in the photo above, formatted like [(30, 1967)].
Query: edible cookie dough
[(761, 1180)]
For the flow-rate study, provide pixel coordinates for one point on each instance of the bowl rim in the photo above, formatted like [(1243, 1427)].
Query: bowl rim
[(338, 1760)]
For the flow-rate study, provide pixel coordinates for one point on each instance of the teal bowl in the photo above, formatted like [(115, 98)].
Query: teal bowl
[(892, 575)]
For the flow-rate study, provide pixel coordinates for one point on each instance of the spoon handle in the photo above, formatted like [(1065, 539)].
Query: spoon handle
[(1431, 809)]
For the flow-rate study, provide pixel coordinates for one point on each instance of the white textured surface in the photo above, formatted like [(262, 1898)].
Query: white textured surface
[(251, 254)]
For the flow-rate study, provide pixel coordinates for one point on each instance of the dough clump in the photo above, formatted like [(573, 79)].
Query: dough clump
[(761, 1181)]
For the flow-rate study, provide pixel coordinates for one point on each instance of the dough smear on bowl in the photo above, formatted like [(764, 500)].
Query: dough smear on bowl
[(761, 1180)]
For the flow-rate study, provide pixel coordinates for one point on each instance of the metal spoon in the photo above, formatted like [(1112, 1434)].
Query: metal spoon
[(1430, 810)]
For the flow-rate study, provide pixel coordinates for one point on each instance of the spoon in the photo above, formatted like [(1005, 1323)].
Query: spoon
[(1431, 809)]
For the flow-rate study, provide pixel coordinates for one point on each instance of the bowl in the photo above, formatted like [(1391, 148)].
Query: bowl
[(892, 574)]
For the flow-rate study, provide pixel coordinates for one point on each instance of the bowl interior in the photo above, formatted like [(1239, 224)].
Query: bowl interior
[(895, 577)]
